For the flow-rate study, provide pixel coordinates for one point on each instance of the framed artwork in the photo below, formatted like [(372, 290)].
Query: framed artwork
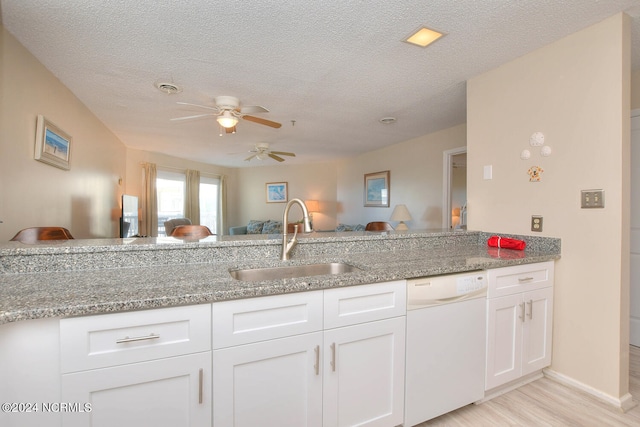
[(277, 192), (376, 189), (53, 145)]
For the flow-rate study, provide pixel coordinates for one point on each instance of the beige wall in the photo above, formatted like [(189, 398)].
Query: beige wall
[(316, 181), (36, 194), (575, 91), (416, 179), (635, 90)]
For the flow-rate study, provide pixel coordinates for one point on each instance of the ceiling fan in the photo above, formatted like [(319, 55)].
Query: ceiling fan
[(229, 112), (261, 152)]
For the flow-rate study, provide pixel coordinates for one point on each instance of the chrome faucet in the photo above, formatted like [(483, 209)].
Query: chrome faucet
[(287, 246)]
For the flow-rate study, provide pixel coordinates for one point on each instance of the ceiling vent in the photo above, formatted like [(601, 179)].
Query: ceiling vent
[(168, 88)]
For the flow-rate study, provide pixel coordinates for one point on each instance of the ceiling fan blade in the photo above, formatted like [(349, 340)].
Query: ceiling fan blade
[(253, 109), (250, 157), (262, 121), (274, 157), (284, 153), (199, 106), (197, 116)]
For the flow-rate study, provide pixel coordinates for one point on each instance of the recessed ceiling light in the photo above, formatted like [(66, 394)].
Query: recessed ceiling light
[(423, 37)]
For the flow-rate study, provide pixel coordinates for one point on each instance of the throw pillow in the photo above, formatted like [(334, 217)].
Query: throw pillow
[(255, 227), (272, 227)]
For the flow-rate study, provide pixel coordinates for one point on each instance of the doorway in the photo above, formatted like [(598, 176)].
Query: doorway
[(454, 189)]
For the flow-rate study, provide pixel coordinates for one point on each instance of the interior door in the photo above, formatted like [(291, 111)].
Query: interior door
[(635, 229)]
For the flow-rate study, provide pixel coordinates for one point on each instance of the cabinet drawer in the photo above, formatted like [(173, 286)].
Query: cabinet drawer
[(264, 318), (120, 338), (519, 278), (366, 303)]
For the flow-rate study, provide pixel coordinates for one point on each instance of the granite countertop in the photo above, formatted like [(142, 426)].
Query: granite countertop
[(68, 290)]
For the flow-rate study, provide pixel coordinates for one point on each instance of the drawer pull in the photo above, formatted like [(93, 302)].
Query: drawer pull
[(151, 336), (316, 367), (200, 385), (525, 279)]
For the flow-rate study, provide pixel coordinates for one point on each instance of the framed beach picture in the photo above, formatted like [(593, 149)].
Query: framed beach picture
[(376, 189), (53, 145), (277, 192)]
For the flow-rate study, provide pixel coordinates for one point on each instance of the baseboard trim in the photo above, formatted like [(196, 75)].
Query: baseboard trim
[(506, 388), (623, 403)]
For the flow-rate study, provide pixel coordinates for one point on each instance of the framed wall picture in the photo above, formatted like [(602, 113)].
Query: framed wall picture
[(53, 145), (376, 189), (277, 192)]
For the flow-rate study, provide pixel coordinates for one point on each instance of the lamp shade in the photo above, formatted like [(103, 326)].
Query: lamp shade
[(312, 205), (401, 213), (227, 120)]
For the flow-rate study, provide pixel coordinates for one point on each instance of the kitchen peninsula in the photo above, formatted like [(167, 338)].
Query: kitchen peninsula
[(51, 293)]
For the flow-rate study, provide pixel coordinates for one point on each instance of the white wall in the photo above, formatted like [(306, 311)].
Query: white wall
[(86, 198), (576, 91), (415, 179)]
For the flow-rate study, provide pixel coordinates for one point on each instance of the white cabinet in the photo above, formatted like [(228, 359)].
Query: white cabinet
[(146, 368), (519, 322), (364, 361), (300, 373), (364, 374)]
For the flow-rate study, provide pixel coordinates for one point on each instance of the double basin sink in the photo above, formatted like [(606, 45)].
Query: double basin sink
[(292, 271)]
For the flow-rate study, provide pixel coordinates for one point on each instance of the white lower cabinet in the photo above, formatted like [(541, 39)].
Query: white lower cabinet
[(133, 369), (166, 392), (364, 374), (269, 383), (519, 323), (352, 374)]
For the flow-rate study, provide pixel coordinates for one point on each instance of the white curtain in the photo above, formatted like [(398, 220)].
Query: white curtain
[(222, 207), (192, 196), (149, 200)]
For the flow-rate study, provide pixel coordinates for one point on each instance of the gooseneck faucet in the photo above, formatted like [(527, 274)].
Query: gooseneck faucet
[(287, 246)]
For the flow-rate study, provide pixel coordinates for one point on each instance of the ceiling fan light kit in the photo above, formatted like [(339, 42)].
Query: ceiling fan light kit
[(228, 113), (262, 152)]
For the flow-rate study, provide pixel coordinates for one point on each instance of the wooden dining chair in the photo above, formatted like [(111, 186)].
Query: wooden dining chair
[(378, 226), (36, 234), (191, 231)]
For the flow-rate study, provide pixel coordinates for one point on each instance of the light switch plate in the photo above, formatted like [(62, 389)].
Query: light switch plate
[(590, 199)]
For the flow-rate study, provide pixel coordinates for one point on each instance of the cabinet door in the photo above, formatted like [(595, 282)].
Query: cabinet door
[(536, 339), (504, 340), (270, 383), (364, 374), (167, 392)]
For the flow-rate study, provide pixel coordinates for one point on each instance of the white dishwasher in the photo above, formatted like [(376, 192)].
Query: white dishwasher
[(446, 330)]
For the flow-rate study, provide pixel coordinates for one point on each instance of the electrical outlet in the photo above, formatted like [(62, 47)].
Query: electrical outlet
[(536, 223), (592, 199)]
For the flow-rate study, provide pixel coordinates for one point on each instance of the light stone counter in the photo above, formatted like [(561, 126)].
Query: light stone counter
[(83, 277)]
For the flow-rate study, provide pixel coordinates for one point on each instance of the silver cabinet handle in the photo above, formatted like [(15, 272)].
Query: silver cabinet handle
[(525, 279), (151, 336), (523, 312), (530, 302), (333, 357), (316, 367), (200, 385)]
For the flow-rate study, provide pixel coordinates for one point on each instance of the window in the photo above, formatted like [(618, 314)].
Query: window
[(209, 188), (170, 187)]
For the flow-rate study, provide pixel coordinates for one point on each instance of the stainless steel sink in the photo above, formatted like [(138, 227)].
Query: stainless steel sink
[(293, 271)]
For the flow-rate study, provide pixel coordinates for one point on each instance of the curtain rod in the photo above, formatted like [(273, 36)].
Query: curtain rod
[(174, 169)]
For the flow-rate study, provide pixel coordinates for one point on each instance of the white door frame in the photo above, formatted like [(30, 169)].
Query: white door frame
[(447, 170), (634, 291)]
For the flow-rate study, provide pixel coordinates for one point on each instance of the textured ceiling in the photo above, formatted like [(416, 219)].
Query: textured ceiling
[(333, 67)]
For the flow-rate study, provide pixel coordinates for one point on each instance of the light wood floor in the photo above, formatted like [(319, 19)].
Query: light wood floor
[(546, 402)]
